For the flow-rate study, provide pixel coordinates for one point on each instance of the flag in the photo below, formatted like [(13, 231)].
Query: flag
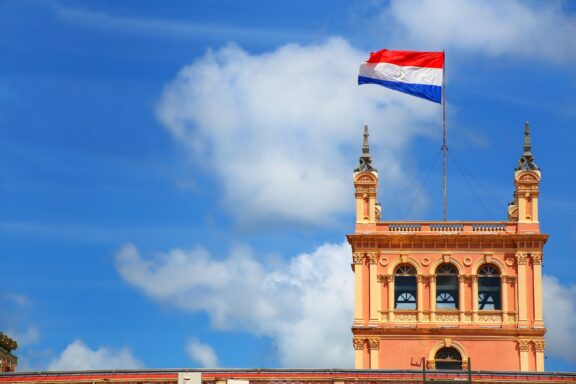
[(418, 74)]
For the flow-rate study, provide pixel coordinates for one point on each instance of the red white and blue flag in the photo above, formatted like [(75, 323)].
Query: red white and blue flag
[(419, 74)]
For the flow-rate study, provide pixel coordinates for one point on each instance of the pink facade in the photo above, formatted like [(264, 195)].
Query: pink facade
[(449, 292)]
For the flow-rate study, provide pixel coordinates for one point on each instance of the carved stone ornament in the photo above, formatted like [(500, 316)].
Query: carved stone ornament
[(461, 278), (374, 342), (390, 278), (373, 258), (510, 279), (539, 345), (381, 278), (420, 278), (521, 258), (523, 345), (537, 258), (357, 257), (358, 344)]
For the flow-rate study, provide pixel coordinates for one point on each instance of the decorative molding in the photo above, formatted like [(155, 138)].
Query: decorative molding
[(390, 278), (461, 278), (420, 278), (358, 344), (521, 258), (523, 345), (381, 278), (425, 261), (373, 258), (405, 317), (467, 261), (383, 261), (537, 258), (374, 342), (447, 317), (489, 317), (509, 261), (432, 278), (510, 279), (539, 345), (357, 258)]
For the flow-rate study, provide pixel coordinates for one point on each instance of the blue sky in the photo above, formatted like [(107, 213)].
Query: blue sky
[(176, 176)]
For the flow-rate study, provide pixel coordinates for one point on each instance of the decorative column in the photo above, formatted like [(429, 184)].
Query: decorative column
[(461, 297), (474, 298), (523, 347), (358, 287), (539, 346), (358, 353), (522, 310), (419, 299), (537, 265), (504, 299), (391, 301), (432, 298), (375, 299), (374, 344)]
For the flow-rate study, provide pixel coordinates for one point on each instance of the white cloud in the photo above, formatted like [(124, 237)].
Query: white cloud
[(537, 29), (281, 131), (30, 335), (202, 353), (77, 356), (305, 305), (559, 314)]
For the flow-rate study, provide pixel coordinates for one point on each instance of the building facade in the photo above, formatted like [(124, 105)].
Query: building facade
[(449, 292)]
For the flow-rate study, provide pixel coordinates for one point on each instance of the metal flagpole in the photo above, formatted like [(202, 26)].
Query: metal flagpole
[(444, 148)]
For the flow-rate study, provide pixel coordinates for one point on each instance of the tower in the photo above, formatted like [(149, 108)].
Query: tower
[(449, 291)]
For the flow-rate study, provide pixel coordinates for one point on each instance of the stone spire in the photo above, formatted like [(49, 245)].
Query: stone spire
[(365, 158), (526, 162)]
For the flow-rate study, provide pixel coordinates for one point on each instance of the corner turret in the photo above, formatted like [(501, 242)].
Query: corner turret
[(527, 176), (366, 186)]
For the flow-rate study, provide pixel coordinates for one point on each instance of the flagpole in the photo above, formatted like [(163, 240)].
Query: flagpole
[(444, 148)]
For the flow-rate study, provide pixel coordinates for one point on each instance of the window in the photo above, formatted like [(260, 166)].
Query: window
[(489, 288), (405, 287), (448, 358), (446, 287)]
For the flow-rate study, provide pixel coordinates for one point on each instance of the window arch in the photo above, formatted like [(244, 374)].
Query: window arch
[(405, 287), (489, 296), (448, 358), (446, 286)]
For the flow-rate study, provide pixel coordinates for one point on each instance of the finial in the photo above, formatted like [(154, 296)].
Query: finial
[(526, 161), (365, 159)]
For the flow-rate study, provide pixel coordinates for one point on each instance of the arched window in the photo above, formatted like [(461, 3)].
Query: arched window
[(448, 358), (446, 286), (405, 287), (489, 288)]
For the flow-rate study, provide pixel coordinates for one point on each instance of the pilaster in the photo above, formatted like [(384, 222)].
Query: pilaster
[(358, 259), (522, 301), (375, 299), (537, 269)]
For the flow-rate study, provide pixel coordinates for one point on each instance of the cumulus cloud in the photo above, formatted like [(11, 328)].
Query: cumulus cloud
[(281, 131), (202, 353), (538, 29), (559, 314), (304, 305), (78, 356)]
